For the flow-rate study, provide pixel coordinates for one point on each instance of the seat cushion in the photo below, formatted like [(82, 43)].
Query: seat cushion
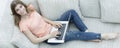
[(94, 25), (53, 9), (110, 11)]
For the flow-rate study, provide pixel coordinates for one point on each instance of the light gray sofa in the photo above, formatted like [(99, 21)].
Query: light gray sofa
[(100, 16)]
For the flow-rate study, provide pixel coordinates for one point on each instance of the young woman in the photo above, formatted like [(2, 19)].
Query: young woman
[(37, 28)]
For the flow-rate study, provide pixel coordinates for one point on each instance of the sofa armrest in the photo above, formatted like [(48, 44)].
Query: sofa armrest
[(6, 44)]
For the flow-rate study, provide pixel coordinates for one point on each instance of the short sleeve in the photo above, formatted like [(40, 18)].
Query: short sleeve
[(22, 27), (30, 8)]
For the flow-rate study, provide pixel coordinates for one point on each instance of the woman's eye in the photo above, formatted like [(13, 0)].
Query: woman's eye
[(20, 6)]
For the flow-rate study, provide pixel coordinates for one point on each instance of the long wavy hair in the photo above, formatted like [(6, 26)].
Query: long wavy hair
[(16, 16)]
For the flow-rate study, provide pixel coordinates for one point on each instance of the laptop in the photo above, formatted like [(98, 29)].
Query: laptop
[(63, 30)]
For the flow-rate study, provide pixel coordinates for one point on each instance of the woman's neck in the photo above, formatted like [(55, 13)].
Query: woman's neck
[(25, 16)]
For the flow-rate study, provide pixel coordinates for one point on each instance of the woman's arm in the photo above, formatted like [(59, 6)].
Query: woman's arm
[(55, 24), (35, 40)]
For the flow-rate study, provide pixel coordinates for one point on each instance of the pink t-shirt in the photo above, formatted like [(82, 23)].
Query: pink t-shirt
[(36, 24)]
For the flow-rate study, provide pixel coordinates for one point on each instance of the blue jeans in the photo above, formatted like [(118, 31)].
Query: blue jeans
[(72, 16), (77, 35)]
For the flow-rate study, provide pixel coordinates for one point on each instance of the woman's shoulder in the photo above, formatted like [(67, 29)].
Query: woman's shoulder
[(34, 13), (23, 25), (21, 22)]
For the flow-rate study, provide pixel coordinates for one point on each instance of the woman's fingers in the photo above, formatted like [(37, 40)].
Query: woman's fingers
[(55, 34), (59, 25), (58, 33)]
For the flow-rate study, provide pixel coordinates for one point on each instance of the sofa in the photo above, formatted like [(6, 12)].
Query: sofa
[(100, 16)]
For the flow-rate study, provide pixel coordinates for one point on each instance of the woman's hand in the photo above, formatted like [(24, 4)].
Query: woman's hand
[(54, 34), (57, 24), (30, 8)]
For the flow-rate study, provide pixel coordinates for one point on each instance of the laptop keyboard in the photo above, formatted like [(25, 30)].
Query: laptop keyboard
[(62, 29)]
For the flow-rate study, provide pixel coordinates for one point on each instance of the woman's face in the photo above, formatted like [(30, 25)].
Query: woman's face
[(20, 9)]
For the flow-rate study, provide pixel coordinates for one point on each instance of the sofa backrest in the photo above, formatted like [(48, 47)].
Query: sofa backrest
[(53, 9), (110, 11), (33, 2), (90, 8)]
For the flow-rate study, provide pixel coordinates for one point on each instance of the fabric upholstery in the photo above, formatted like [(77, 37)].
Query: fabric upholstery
[(110, 11), (53, 9), (21, 41), (90, 8)]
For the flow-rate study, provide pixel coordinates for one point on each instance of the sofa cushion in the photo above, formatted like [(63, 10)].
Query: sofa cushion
[(6, 44), (33, 2), (52, 9), (110, 11), (21, 41), (6, 23), (90, 8)]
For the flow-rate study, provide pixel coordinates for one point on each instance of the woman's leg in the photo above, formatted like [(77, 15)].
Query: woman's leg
[(86, 36), (74, 17)]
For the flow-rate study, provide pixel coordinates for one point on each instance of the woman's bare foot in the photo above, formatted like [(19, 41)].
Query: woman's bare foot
[(109, 36), (97, 40)]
